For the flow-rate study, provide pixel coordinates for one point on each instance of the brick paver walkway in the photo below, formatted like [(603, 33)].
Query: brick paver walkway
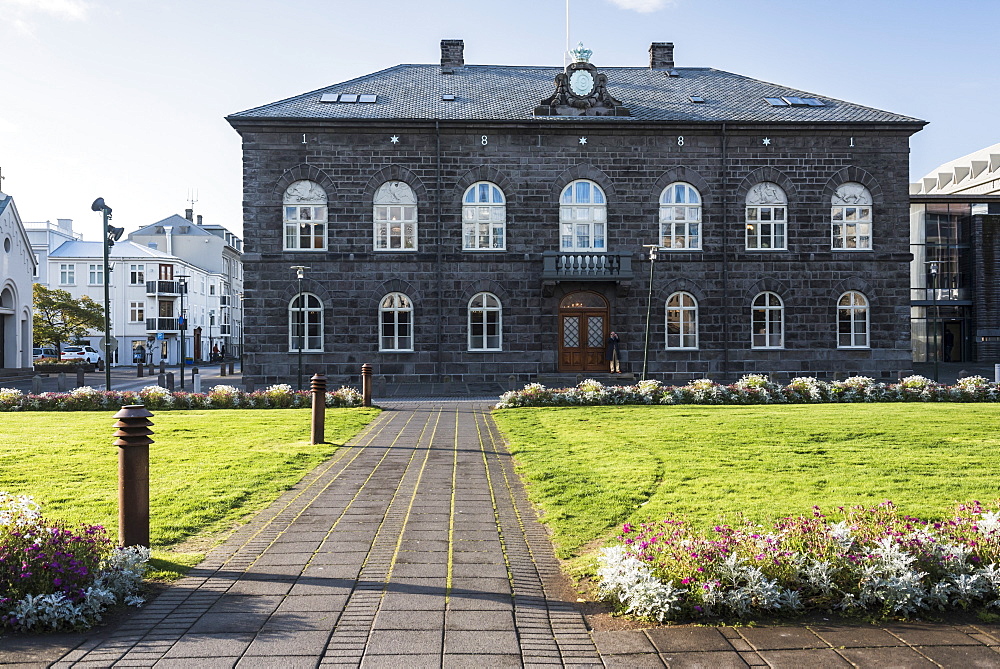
[(414, 546)]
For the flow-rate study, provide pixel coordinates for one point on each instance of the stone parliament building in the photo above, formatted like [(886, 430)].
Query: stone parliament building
[(474, 222)]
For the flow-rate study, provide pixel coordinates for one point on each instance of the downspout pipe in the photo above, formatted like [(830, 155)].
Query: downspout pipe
[(725, 252), (437, 251)]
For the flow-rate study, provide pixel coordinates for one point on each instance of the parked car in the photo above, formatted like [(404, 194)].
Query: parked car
[(86, 354), (43, 352)]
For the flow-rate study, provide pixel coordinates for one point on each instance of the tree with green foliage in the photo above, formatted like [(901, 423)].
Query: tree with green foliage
[(59, 317)]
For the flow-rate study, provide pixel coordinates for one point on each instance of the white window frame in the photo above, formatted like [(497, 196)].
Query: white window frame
[(395, 315), (395, 215), (680, 304), (305, 320), (134, 269), (67, 274), (583, 217), (482, 309), (136, 312), (768, 311), (38, 266), (484, 218), (851, 208), (766, 218), (680, 217), (855, 318), (95, 275), (305, 217)]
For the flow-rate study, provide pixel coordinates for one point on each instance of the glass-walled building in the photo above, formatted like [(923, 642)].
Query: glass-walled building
[(955, 273)]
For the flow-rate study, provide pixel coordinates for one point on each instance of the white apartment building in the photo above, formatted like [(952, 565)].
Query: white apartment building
[(159, 290)]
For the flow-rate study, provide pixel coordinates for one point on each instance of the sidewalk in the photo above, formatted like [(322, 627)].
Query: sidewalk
[(415, 546)]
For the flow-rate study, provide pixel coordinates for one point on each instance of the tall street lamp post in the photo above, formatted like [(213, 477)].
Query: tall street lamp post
[(182, 321), (109, 235), (300, 272), (649, 306)]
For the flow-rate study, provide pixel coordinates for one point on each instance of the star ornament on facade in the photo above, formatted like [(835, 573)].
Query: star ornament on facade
[(766, 141), (394, 139), (583, 140)]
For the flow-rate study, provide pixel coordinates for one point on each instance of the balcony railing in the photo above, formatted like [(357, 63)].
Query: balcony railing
[(163, 287), (162, 325), (586, 266), (560, 267)]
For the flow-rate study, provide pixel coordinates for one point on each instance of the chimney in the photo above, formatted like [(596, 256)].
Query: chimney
[(189, 214), (661, 56), (199, 219), (452, 55)]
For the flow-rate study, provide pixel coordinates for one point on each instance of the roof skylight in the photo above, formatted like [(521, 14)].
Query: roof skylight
[(696, 98), (448, 97)]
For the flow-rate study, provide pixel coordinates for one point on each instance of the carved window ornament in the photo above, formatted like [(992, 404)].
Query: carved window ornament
[(851, 218), (395, 318), (305, 216), (767, 218), (395, 215)]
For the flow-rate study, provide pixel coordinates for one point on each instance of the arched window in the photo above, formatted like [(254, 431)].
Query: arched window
[(305, 216), (680, 217), (305, 323), (767, 217), (682, 321), (395, 217), (768, 322), (851, 218), (485, 322), (395, 320), (852, 320), (484, 218), (583, 216)]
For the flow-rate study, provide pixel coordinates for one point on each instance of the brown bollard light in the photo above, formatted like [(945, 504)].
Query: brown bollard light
[(366, 384), (133, 474), (318, 387)]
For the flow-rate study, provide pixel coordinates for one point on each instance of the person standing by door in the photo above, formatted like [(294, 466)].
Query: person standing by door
[(612, 353)]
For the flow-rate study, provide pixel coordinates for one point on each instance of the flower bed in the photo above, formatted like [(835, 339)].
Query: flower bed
[(755, 389), (154, 397), (869, 560), (55, 577)]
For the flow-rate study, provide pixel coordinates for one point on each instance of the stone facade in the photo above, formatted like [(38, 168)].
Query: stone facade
[(532, 161)]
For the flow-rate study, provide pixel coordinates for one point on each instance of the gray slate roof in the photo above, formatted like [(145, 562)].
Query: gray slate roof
[(511, 92), (121, 249), (175, 221)]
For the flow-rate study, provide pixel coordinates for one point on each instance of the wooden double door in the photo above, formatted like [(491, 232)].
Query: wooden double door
[(583, 331)]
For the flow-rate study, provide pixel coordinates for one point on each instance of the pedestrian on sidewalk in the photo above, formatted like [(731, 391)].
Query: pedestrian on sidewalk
[(612, 353)]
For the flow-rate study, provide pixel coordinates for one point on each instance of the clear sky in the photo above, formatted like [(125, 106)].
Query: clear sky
[(125, 99)]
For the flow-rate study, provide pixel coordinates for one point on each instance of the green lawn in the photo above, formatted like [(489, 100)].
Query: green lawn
[(590, 469), (208, 469)]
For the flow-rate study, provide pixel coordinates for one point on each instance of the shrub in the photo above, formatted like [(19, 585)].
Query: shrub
[(754, 389), (872, 560), (160, 399), (55, 577)]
